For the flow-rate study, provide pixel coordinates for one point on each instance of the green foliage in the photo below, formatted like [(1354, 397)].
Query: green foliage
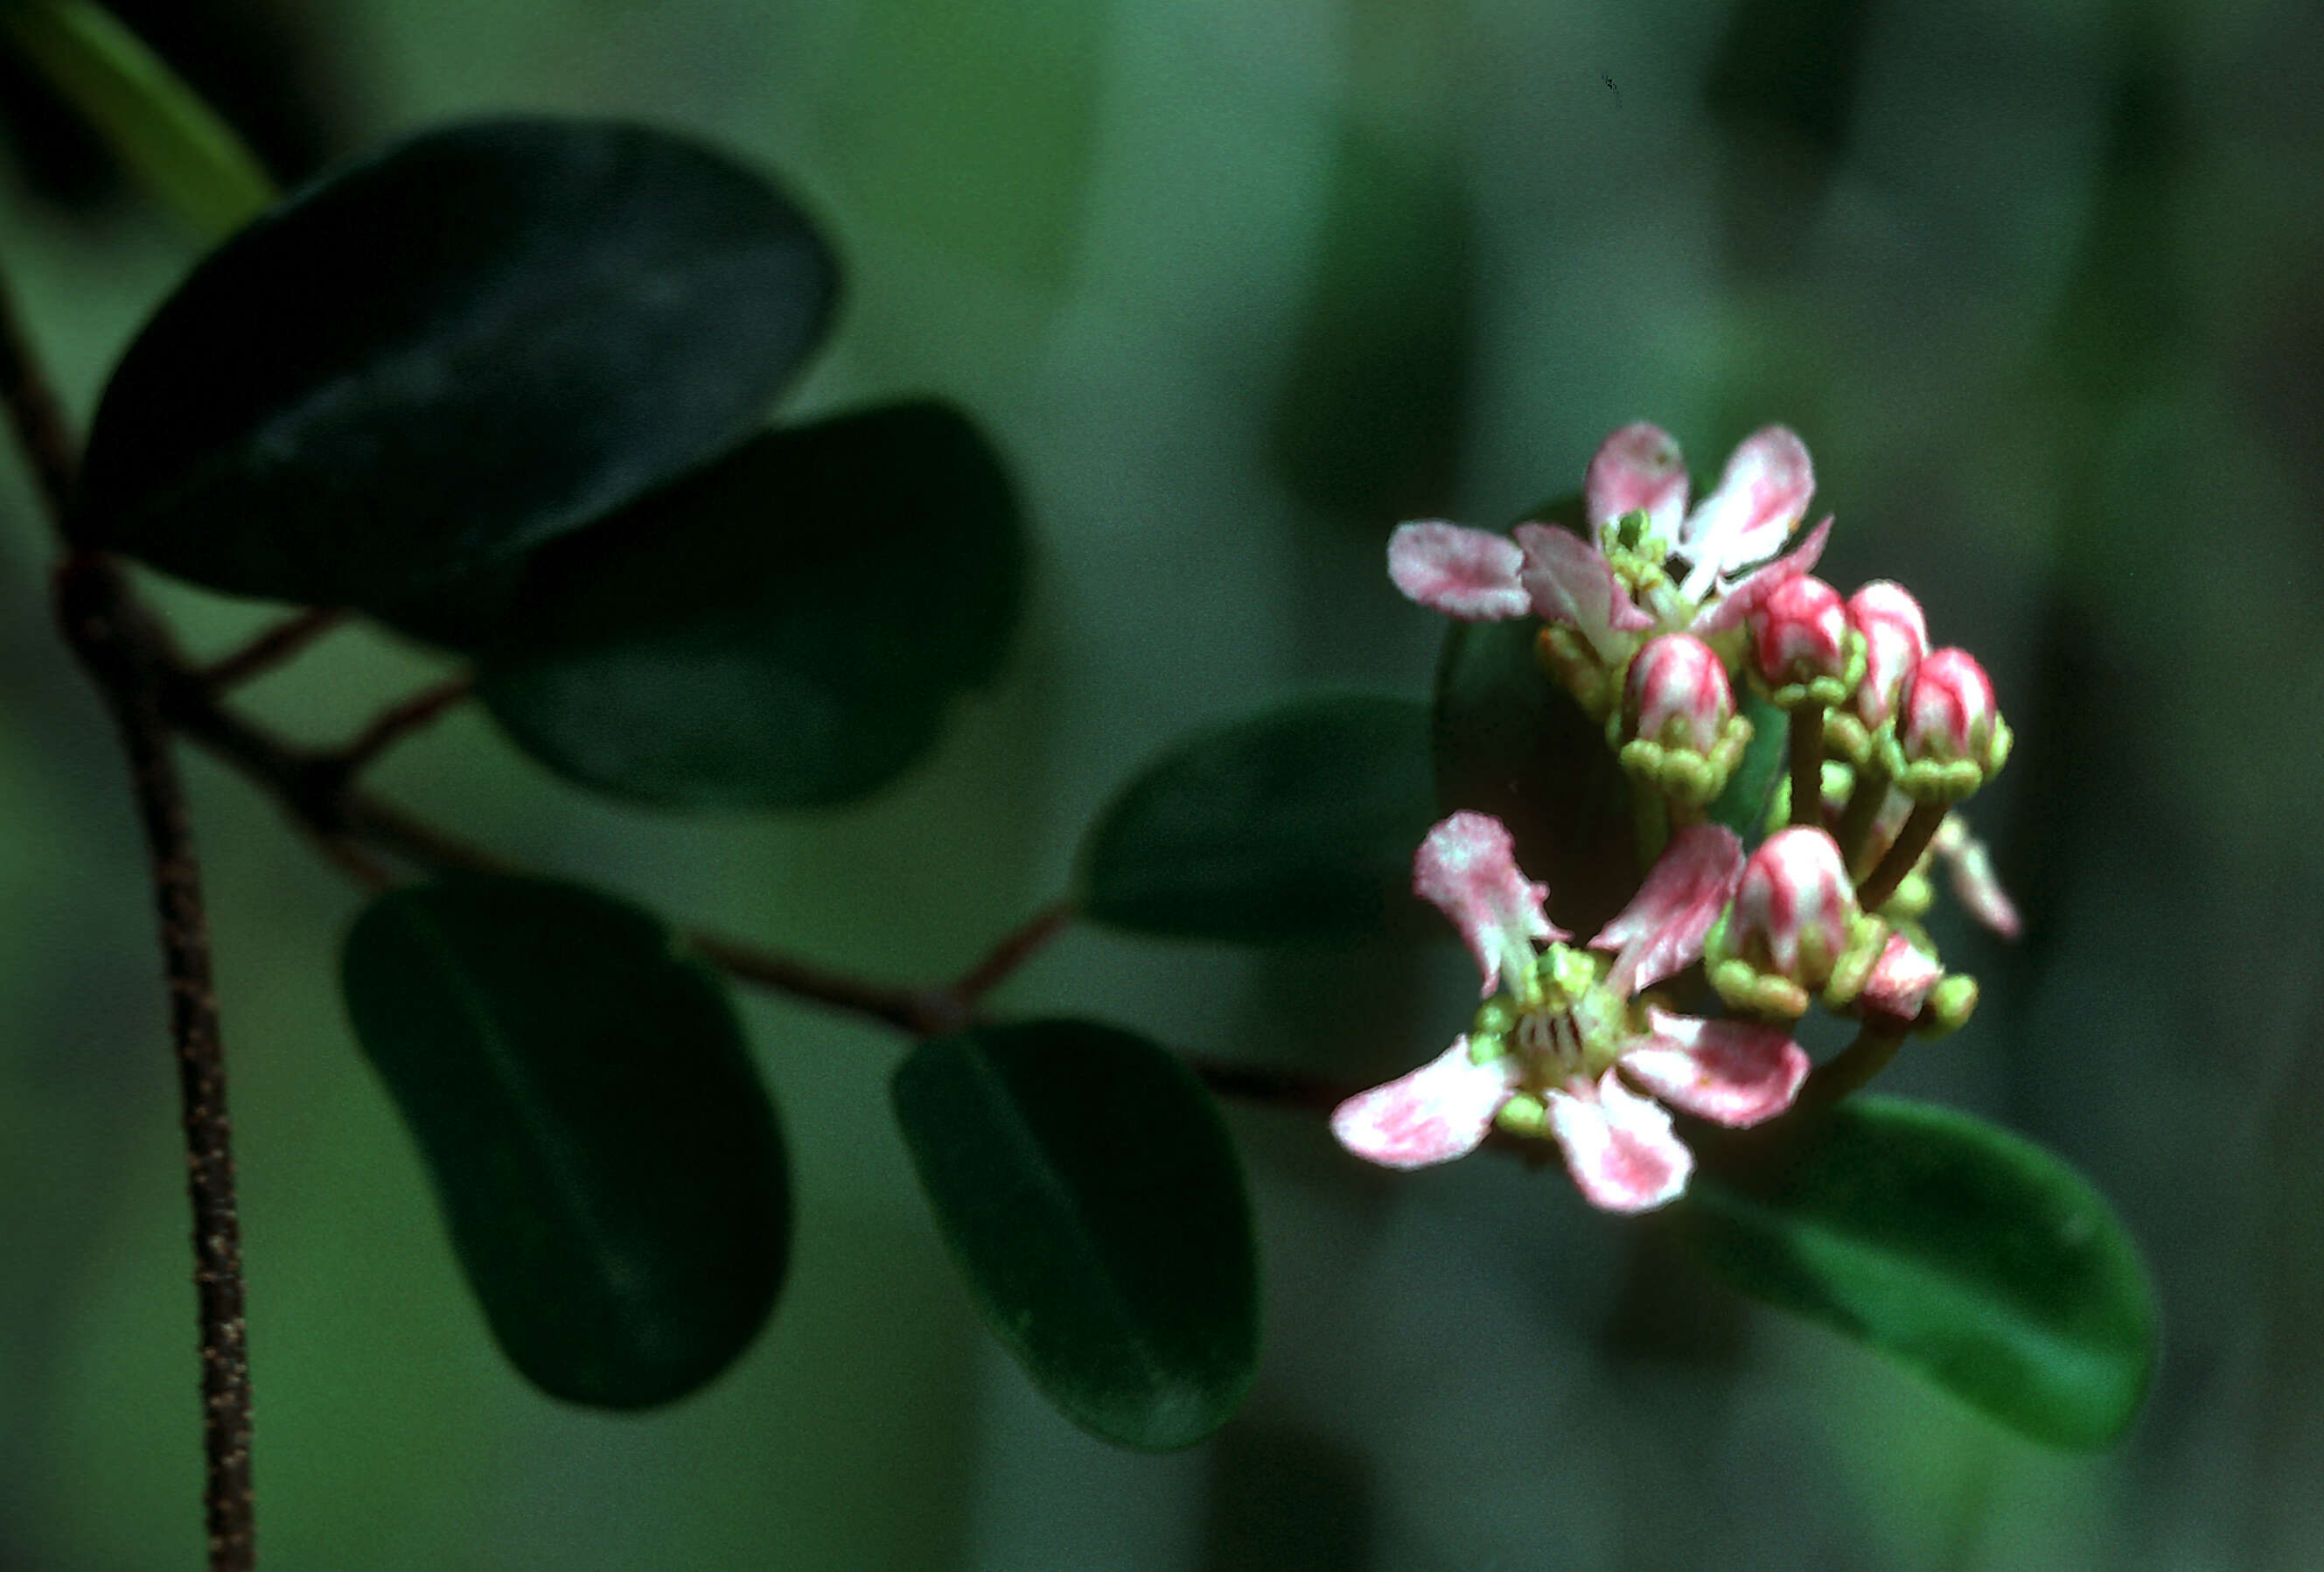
[(608, 1162), (176, 145), (783, 629), (1296, 823), (1510, 742), (1743, 806), (1089, 1192), (447, 354), (1965, 1253)]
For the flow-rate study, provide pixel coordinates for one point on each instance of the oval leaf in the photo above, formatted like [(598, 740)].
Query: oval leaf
[(1510, 742), (606, 1157), (1086, 1187), (1742, 806), (784, 629), (1297, 823), (1965, 1253), (449, 353), (155, 125)]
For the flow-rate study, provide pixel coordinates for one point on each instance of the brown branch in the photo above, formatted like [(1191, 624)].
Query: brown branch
[(117, 643), (100, 624), (272, 647), (400, 719), (1013, 951)]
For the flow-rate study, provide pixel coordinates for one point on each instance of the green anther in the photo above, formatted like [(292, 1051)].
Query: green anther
[(1523, 1114), (1948, 1005), (1496, 1018), (1565, 974), (1484, 1047)]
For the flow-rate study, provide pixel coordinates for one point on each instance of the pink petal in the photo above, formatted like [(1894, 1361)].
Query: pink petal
[(1732, 1072), (1762, 494), (1467, 868), (1639, 466), (1900, 979), (1570, 582), (1748, 593), (1462, 572), (1438, 1111), (1660, 932), (1975, 883), (1619, 1146)]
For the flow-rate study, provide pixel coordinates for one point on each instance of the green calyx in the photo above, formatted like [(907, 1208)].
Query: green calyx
[(1831, 692), (1576, 667), (1946, 780), (1852, 967), (1682, 773)]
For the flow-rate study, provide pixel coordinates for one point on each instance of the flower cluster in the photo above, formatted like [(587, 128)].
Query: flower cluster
[(1653, 623)]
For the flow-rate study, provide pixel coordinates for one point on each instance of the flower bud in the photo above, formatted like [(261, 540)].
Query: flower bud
[(1895, 636), (1677, 726), (1794, 928), (1950, 736), (1677, 694), (1803, 644)]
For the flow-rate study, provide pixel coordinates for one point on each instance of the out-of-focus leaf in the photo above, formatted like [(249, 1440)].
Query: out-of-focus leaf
[(1742, 806), (158, 127), (445, 354), (606, 1157), (1370, 421), (783, 629), (1969, 1255), (1509, 741), (1296, 823), (1090, 1194)]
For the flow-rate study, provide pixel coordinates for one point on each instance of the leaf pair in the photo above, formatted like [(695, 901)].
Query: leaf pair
[(495, 386)]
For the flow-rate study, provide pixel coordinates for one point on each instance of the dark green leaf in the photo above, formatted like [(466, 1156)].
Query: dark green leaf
[(1296, 823), (1743, 806), (1965, 1253), (447, 354), (1510, 742), (607, 1160), (783, 629), (157, 125), (1088, 1190)]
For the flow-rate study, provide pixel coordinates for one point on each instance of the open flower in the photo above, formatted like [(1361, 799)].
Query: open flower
[(1593, 587), (1563, 1047)]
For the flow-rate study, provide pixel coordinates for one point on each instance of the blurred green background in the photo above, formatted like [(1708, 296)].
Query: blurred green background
[(1237, 287)]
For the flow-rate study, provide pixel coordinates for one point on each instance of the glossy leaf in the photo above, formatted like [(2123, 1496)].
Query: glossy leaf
[(784, 629), (447, 354), (1509, 741), (1969, 1255), (1742, 806), (1297, 823), (1087, 1189), (606, 1158), (155, 125)]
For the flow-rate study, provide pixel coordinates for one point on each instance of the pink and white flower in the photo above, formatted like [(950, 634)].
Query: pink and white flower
[(1564, 1048), (1557, 576)]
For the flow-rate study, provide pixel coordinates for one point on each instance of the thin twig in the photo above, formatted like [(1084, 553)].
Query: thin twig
[(1011, 952), (100, 624), (1280, 1088), (117, 644), (272, 647), (400, 719)]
